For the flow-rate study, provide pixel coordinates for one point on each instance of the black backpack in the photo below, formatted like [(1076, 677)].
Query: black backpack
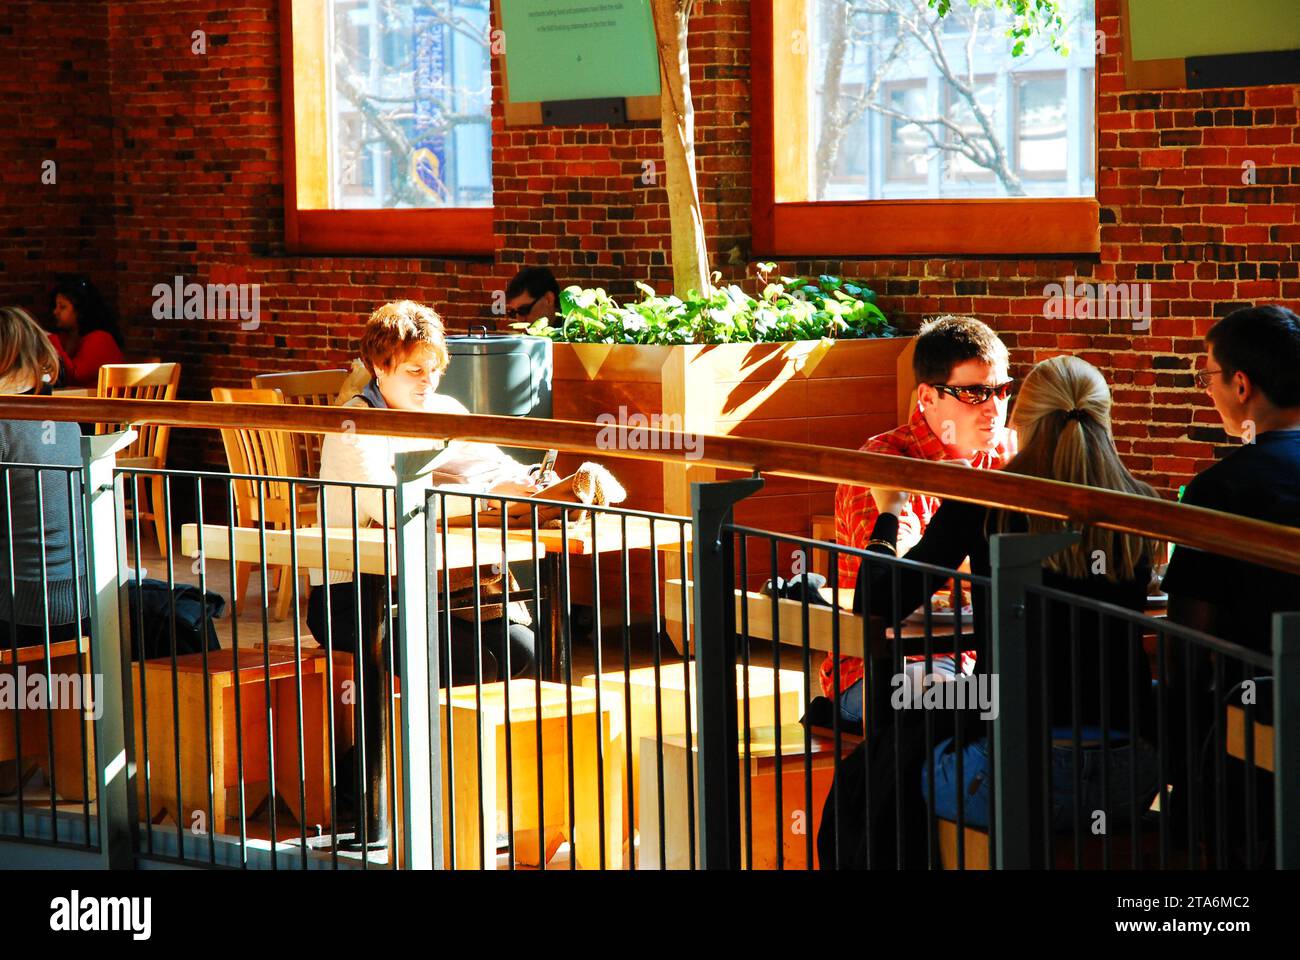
[(150, 614)]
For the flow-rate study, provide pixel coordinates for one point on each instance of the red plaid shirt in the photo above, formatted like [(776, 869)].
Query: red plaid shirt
[(855, 513)]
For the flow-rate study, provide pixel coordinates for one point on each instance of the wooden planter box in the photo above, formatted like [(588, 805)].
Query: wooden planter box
[(834, 394)]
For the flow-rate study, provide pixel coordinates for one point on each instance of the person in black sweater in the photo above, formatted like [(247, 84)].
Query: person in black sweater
[(1062, 417)]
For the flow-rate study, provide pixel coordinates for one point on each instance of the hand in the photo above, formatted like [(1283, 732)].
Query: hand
[(890, 501)]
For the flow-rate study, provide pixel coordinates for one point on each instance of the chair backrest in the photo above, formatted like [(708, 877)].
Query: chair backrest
[(140, 381), (263, 453), (316, 388)]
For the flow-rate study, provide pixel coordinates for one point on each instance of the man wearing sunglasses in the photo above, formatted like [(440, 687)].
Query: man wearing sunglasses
[(532, 294), (962, 396)]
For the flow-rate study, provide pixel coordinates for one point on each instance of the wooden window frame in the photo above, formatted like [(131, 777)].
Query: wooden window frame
[(786, 224), (309, 227)]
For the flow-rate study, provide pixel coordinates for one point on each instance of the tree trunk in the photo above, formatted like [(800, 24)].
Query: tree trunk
[(689, 250)]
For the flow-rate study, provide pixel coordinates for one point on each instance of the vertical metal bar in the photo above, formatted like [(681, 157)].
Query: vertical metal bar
[(292, 576), (444, 642), (181, 814), (687, 719), (1104, 693), (478, 686), (566, 656), (507, 675), (715, 669), (659, 706), (115, 798), (747, 769), (385, 791), (1049, 828), (778, 782), (331, 734), (74, 502), (360, 753), (421, 800), (13, 645), (1286, 741), (1189, 657), (810, 861), (1016, 561), (45, 636), (140, 639), (238, 695), (207, 687), (627, 687), (596, 650), (1220, 763), (537, 684), (899, 666), (266, 673)]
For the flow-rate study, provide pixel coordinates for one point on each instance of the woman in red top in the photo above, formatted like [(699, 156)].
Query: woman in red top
[(85, 333)]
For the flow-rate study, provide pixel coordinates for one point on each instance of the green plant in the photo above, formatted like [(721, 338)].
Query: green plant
[(789, 308)]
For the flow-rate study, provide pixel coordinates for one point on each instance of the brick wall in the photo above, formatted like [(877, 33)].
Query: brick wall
[(54, 107), (197, 190)]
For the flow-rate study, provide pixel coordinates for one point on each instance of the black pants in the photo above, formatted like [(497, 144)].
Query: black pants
[(343, 619)]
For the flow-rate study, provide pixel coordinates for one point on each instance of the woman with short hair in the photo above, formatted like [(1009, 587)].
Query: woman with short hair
[(404, 353)]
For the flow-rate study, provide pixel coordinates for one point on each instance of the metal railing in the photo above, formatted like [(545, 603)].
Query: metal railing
[(671, 759)]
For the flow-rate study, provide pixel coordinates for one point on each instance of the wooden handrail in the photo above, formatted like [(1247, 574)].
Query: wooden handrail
[(1254, 541)]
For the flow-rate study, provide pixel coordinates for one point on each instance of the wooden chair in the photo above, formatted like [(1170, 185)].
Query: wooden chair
[(263, 453), (316, 388), (143, 381)]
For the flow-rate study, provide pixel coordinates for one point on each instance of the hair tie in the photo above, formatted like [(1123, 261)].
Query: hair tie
[(1075, 414)]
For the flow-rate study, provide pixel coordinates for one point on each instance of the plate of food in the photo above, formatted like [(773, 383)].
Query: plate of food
[(941, 611)]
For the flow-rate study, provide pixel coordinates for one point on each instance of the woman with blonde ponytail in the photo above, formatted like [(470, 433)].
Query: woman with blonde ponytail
[(1062, 418)]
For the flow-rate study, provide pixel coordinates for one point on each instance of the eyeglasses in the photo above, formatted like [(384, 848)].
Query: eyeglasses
[(521, 312), (976, 393), (1203, 377)]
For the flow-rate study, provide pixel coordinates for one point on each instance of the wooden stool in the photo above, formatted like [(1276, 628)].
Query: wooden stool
[(225, 771), (796, 821), (672, 696), (70, 721), (460, 736)]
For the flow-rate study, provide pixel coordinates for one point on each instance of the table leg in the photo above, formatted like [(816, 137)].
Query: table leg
[(552, 645)]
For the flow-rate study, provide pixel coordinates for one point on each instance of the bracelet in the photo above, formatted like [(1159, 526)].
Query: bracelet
[(883, 543)]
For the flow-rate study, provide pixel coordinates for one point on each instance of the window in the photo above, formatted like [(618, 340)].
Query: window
[(388, 127), (969, 151), (1042, 129), (898, 110), (905, 146)]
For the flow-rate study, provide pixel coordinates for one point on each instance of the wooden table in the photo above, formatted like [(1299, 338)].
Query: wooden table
[(459, 553)]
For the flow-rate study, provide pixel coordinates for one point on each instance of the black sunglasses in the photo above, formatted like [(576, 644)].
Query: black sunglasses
[(977, 393), (521, 312)]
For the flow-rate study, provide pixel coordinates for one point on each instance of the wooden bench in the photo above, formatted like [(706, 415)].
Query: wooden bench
[(978, 856), (70, 724)]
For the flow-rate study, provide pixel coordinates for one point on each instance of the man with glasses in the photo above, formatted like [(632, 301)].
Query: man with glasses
[(532, 294), (1251, 372), (962, 396)]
